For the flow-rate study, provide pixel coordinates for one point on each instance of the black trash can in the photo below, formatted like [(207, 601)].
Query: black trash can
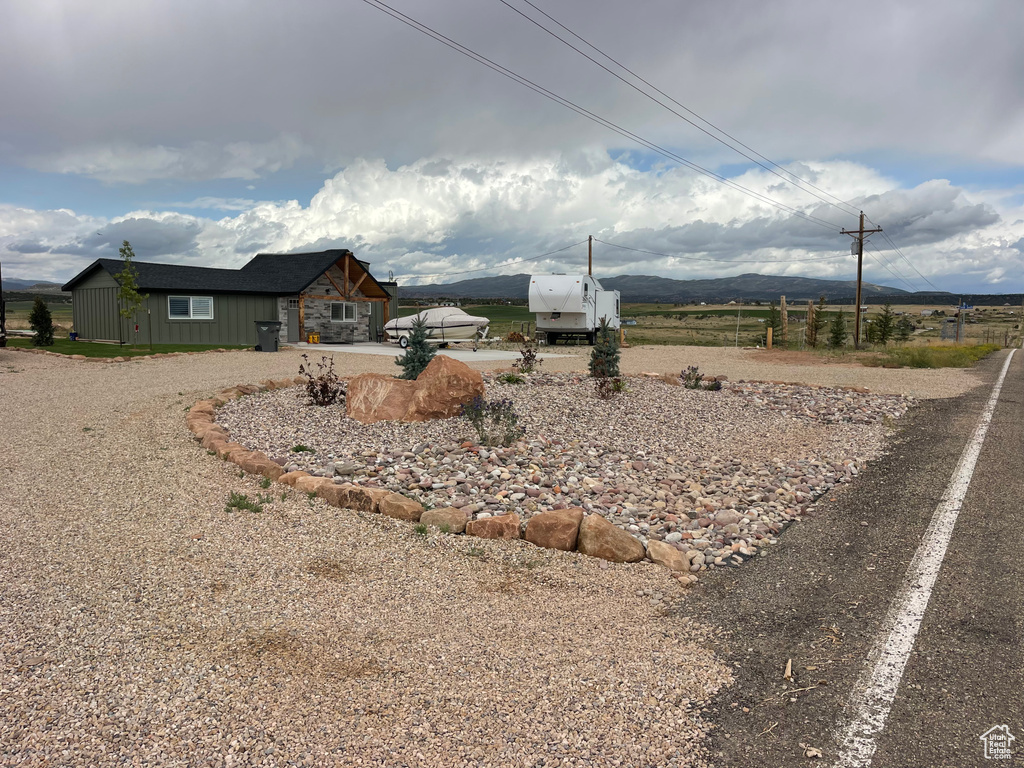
[(268, 333)]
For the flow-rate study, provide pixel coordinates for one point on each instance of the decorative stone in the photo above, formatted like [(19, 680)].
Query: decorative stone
[(599, 538), (555, 530), (309, 484), (442, 388), (500, 527), (400, 507), (289, 478), (373, 397), (668, 556), (454, 518)]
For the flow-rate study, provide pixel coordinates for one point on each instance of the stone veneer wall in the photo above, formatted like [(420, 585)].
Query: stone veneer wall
[(318, 312)]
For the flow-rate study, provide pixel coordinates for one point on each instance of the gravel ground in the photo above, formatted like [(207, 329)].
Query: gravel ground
[(143, 624)]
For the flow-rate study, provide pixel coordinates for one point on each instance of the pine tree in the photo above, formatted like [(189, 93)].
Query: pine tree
[(819, 322), (837, 331), (604, 357), (885, 325), (128, 296), (904, 329), (419, 352), (41, 321)]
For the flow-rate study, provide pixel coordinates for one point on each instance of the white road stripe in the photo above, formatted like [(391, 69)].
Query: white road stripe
[(875, 690)]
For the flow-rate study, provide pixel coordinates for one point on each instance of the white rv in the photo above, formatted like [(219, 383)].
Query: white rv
[(571, 306)]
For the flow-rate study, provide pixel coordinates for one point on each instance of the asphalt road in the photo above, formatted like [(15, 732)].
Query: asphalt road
[(821, 598)]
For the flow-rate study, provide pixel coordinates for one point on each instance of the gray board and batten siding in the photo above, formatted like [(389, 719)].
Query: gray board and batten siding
[(177, 309)]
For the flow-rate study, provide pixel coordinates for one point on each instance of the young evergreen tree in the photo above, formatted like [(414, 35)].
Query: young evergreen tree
[(41, 321), (904, 328), (419, 352), (885, 325), (818, 323), (128, 297), (604, 357), (837, 331)]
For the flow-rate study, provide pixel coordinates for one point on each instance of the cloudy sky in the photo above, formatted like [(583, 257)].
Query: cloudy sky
[(207, 131)]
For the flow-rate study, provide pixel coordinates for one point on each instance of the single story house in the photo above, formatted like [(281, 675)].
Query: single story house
[(328, 292)]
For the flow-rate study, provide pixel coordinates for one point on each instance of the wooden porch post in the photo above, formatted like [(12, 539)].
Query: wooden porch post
[(302, 317)]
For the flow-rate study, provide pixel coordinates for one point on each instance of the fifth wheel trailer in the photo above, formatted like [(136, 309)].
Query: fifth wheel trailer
[(571, 306)]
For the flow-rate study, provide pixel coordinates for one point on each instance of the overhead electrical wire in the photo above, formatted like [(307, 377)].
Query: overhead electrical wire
[(789, 178), (526, 82), (722, 261)]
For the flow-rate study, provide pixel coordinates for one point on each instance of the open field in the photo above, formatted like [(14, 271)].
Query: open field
[(18, 312)]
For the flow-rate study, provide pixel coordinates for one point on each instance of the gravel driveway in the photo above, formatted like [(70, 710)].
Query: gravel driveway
[(142, 623)]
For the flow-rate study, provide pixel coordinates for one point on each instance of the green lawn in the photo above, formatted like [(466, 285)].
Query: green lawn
[(92, 349)]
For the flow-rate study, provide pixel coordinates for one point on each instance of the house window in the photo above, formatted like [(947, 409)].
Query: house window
[(293, 303), (343, 312), (190, 307)]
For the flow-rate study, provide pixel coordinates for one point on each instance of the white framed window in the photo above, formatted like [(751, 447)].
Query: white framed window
[(343, 312), (293, 303), (190, 307)]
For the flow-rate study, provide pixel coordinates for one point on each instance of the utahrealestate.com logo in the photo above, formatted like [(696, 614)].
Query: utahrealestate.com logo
[(998, 742)]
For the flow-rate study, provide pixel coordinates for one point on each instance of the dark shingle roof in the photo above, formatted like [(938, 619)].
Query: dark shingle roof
[(267, 273)]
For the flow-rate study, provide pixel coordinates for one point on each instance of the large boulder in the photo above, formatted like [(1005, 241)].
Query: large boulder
[(500, 527), (373, 397), (668, 556), (555, 530), (438, 393), (454, 518), (599, 538), (442, 388)]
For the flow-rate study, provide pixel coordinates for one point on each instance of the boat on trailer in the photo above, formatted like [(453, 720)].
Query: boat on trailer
[(444, 325)]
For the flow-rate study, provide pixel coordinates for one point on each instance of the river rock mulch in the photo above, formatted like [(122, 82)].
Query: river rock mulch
[(717, 475)]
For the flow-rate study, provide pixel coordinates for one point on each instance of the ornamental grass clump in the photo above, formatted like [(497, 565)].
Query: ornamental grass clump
[(694, 379), (496, 422)]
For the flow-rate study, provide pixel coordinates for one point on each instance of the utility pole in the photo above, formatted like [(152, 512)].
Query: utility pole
[(858, 242), (590, 255)]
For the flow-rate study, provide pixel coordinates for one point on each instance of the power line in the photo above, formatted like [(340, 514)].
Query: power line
[(468, 52), (890, 268), (499, 266), (720, 261), (790, 178), (893, 245)]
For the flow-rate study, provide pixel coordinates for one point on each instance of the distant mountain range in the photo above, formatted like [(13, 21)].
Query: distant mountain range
[(648, 288), (30, 286)]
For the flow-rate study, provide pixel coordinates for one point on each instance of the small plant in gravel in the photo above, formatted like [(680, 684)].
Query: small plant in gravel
[(41, 322), (419, 353), (445, 528), (496, 421), (604, 387), (241, 502), (511, 378), (694, 379), (300, 448), (604, 357), (528, 361), (420, 528), (322, 387), (310, 495), (265, 483)]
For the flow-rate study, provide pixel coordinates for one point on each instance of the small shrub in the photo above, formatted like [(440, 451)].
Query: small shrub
[(311, 495), (694, 379), (604, 357), (302, 449), (445, 528), (265, 483), (41, 322), (323, 387), (242, 502), (511, 378), (419, 353), (603, 387), (618, 385), (528, 361), (515, 338), (495, 422), (420, 528)]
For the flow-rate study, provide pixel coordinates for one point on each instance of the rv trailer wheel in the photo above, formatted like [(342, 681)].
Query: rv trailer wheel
[(403, 342)]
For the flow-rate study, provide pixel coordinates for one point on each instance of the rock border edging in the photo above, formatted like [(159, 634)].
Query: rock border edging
[(564, 529)]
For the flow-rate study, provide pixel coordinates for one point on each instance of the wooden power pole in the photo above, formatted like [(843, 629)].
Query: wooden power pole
[(858, 242)]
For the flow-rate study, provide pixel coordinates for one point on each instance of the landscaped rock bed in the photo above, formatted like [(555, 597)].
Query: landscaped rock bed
[(715, 476)]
